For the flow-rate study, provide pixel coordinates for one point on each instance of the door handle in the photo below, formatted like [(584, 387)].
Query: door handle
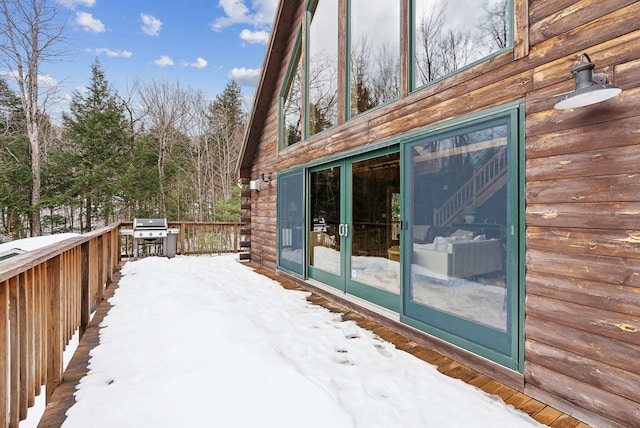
[(346, 230)]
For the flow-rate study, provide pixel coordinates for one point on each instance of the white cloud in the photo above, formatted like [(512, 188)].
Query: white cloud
[(111, 53), (150, 24), (44, 80), (89, 23), (71, 4), (254, 37), (245, 76), (200, 63), (265, 10), (164, 61), (47, 80), (238, 12)]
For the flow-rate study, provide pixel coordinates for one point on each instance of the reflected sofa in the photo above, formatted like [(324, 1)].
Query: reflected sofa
[(458, 254)]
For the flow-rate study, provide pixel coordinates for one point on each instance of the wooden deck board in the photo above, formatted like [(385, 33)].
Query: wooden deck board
[(63, 397), (539, 411)]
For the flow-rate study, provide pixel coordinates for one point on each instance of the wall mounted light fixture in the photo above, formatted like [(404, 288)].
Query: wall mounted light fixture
[(591, 87), (265, 178), (254, 185)]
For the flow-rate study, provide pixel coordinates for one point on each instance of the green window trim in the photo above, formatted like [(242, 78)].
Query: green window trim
[(321, 99), (505, 350), (297, 67), (365, 98), (293, 71), (413, 87)]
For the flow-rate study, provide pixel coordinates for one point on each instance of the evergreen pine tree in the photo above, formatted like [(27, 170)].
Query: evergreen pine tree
[(98, 141), (15, 169)]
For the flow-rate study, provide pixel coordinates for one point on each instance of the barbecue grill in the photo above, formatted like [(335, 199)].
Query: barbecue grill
[(153, 236), (149, 228)]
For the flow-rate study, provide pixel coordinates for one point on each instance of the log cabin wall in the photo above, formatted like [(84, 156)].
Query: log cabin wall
[(267, 156), (582, 325)]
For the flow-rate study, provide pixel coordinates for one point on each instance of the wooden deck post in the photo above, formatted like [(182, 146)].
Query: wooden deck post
[(54, 336)]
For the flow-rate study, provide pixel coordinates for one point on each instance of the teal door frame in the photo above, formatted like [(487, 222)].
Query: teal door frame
[(503, 347), (329, 278), (345, 281)]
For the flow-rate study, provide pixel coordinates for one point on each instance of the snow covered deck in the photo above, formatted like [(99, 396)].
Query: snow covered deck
[(203, 341)]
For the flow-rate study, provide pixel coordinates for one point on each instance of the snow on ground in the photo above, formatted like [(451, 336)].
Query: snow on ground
[(205, 341)]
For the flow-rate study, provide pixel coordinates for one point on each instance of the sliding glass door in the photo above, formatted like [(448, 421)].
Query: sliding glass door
[(462, 282), (354, 227)]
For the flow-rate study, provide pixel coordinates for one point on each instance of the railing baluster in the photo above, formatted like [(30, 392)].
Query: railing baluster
[(14, 352), (5, 379), (23, 359)]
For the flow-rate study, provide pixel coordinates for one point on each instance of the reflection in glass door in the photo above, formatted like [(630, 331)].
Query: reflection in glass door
[(463, 276), (375, 221), (326, 226), (354, 228)]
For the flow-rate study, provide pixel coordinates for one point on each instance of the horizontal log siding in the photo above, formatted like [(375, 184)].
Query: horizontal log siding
[(267, 156), (582, 193), (582, 323)]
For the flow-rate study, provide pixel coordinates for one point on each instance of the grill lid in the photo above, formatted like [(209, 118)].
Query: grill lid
[(149, 223), (150, 228)]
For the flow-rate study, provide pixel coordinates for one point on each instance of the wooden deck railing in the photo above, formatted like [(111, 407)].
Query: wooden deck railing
[(46, 295), (197, 238)]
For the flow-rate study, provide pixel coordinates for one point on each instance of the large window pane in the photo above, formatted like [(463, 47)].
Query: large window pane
[(291, 117), (291, 221), (374, 53), (322, 73), (460, 220), (450, 34)]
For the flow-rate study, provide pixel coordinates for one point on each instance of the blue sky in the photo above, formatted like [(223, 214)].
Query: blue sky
[(202, 43)]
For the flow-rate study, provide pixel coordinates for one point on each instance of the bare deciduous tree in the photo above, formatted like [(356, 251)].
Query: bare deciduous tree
[(386, 78), (323, 92), (496, 23), (428, 62), (166, 113), (29, 32), (226, 124), (456, 49), (361, 71), (194, 159), (292, 109)]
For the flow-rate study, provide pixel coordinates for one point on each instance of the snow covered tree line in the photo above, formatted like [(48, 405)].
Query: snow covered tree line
[(164, 150)]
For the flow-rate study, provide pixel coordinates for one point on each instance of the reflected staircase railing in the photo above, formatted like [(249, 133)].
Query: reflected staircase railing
[(484, 183)]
